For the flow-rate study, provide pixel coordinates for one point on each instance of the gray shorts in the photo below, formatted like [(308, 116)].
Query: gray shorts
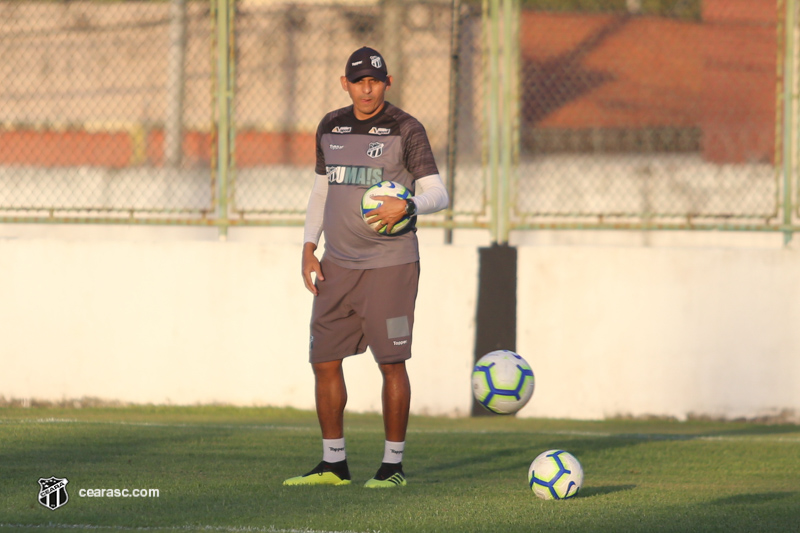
[(360, 308)]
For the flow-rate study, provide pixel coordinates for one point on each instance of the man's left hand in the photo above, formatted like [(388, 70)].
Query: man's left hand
[(392, 211)]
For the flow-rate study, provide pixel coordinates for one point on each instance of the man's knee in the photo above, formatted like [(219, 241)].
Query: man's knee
[(327, 370), (393, 369)]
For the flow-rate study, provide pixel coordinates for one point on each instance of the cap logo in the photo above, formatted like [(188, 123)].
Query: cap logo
[(356, 63), (376, 61)]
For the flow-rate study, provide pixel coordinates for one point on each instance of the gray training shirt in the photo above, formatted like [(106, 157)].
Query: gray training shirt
[(355, 155)]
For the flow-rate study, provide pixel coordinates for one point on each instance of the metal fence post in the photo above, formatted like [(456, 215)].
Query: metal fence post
[(491, 10), (452, 115), (173, 129), (790, 96), (510, 97), (502, 104), (225, 82), (392, 50)]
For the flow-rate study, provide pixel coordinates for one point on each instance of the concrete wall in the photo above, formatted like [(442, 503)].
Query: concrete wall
[(622, 325), (667, 331)]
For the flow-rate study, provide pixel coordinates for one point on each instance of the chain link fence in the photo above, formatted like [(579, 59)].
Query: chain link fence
[(631, 113), (289, 61), (107, 111), (634, 119)]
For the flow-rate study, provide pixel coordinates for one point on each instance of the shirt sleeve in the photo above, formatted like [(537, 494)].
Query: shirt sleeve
[(316, 210), (432, 195), (417, 152)]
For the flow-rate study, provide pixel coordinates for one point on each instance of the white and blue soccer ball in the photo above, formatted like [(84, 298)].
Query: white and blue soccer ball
[(502, 382), (555, 475), (384, 188)]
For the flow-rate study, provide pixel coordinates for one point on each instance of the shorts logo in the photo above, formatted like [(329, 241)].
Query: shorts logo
[(53, 492), (342, 129), (380, 131), (376, 61), (375, 150)]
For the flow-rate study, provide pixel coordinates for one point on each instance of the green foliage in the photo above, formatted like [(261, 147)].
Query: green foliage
[(221, 469)]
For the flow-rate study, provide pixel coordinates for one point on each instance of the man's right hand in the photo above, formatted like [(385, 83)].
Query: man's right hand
[(311, 264)]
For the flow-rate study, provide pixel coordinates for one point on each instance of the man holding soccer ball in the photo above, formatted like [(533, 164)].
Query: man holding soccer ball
[(366, 283)]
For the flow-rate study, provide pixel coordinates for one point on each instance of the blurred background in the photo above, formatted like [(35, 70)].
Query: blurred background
[(620, 113), (642, 155)]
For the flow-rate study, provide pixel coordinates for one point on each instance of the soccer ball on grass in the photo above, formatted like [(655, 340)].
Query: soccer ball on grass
[(384, 188), (502, 382), (555, 475)]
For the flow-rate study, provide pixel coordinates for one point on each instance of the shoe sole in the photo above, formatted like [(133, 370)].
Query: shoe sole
[(394, 481), (325, 478)]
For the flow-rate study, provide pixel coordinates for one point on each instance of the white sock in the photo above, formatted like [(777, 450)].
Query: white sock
[(393, 452), (333, 450)]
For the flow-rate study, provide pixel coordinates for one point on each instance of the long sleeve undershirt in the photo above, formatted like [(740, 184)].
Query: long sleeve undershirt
[(431, 197)]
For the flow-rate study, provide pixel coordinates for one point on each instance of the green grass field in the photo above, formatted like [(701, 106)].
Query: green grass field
[(221, 468)]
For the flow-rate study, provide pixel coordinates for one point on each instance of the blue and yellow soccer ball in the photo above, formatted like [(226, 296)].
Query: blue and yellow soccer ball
[(555, 475), (502, 382), (384, 188)]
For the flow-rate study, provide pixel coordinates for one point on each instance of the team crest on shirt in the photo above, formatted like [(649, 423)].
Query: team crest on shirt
[(375, 150)]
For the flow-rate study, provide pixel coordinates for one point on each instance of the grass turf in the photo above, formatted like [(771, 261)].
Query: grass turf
[(221, 469)]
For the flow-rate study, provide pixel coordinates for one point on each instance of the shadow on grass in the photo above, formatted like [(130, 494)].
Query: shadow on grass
[(588, 492), (466, 465), (758, 429), (754, 499)]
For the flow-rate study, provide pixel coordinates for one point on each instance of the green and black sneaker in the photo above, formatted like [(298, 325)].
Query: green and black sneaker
[(389, 475), (324, 474)]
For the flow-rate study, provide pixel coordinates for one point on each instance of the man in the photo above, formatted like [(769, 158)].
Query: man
[(365, 285)]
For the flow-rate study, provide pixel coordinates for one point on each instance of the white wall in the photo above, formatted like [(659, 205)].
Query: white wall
[(611, 328), (666, 331)]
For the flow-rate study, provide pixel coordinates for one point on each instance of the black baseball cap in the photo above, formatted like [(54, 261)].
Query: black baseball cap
[(366, 62)]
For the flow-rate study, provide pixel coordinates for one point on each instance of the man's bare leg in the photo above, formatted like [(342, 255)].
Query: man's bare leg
[(331, 397), (396, 400), (396, 404)]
